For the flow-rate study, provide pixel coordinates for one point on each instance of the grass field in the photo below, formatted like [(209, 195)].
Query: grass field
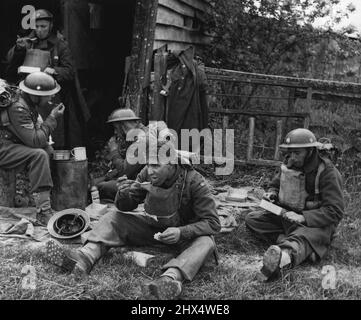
[(236, 276)]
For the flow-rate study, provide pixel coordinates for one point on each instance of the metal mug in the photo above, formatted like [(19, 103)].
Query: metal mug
[(61, 155), (79, 153)]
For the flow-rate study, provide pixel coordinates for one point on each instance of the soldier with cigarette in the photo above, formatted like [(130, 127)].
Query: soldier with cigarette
[(309, 189)]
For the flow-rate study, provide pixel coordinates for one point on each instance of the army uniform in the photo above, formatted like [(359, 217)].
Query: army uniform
[(184, 202), (108, 188), (120, 166), (69, 132), (322, 212), (25, 142)]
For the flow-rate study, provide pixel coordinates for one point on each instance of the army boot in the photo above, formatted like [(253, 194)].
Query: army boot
[(43, 207), (79, 261), (274, 260), (165, 288)]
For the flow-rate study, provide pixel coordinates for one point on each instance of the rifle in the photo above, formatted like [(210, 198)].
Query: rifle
[(122, 98)]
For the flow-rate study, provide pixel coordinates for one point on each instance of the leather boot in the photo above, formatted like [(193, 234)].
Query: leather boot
[(165, 288), (68, 259), (43, 206), (273, 262)]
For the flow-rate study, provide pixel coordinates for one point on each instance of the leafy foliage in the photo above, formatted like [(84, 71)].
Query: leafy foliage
[(278, 37), (267, 35)]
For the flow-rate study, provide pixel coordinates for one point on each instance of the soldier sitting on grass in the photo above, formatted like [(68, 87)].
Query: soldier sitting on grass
[(179, 212), (309, 188)]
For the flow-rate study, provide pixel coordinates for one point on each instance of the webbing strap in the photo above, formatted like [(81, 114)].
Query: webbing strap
[(320, 169)]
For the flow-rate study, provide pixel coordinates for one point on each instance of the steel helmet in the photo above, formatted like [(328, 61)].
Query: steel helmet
[(68, 223), (122, 115), (42, 14), (40, 84), (300, 138)]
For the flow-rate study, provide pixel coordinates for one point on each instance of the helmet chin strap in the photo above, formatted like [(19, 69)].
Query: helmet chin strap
[(34, 99), (309, 155)]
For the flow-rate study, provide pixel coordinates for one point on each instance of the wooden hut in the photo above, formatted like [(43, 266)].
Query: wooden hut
[(179, 24), (104, 34), (174, 24)]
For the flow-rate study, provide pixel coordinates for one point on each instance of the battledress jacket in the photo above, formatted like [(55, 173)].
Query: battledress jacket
[(24, 126), (118, 156), (63, 67), (119, 161), (76, 112), (197, 211), (321, 222)]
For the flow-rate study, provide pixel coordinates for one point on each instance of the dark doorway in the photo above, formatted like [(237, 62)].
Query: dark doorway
[(10, 22), (100, 36), (99, 33)]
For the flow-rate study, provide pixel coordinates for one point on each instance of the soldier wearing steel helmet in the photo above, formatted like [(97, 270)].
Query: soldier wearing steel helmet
[(44, 42), (42, 38), (179, 212), (24, 140), (309, 188), (124, 121)]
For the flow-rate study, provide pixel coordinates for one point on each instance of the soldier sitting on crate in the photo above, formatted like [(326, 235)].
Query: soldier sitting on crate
[(179, 211), (309, 188), (123, 121), (24, 136)]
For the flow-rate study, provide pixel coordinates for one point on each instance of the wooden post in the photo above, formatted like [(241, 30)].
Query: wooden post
[(306, 122), (142, 50), (250, 138), (291, 99), (309, 99), (160, 70), (278, 139), (224, 127), (7, 187), (290, 104)]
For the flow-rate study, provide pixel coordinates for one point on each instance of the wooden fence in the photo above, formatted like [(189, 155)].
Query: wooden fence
[(222, 84)]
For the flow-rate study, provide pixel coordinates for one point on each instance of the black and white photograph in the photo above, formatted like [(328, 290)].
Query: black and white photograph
[(192, 152)]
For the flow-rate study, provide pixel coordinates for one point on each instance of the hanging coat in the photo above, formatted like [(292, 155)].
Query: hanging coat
[(187, 102)]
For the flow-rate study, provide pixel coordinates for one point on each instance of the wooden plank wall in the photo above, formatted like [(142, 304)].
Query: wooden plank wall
[(179, 24)]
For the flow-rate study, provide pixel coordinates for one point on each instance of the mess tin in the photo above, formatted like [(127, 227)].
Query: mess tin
[(61, 155)]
